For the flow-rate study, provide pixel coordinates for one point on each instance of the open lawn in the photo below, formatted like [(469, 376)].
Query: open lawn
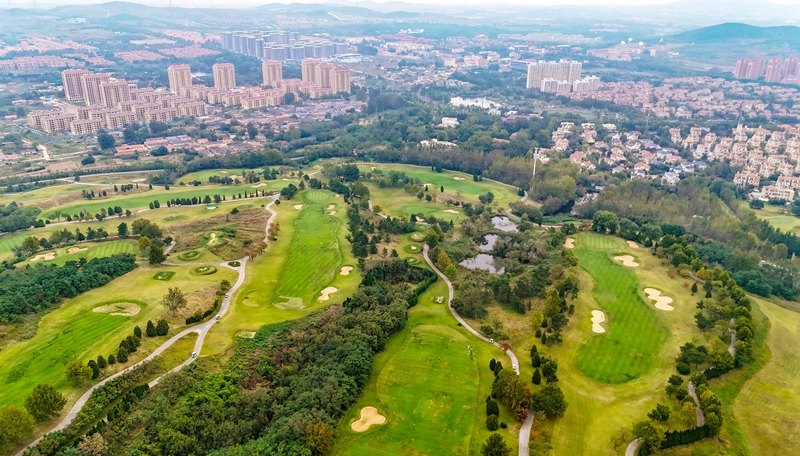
[(431, 383), (75, 332), (88, 250), (635, 335), (780, 217)]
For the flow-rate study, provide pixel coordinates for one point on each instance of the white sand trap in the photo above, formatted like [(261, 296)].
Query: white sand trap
[(597, 318), (44, 256), (459, 178), (331, 206), (346, 270), (298, 206), (76, 250), (633, 245), (327, 292), (413, 248), (139, 180), (332, 213), (627, 260), (259, 185), (450, 211), (285, 179), (119, 309), (439, 299), (369, 416), (335, 196), (662, 302), (372, 167), (569, 243)]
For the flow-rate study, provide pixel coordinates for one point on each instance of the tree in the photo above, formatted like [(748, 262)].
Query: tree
[(495, 446), (101, 362), (112, 360), (605, 222), (77, 372), (174, 300), (694, 288), (15, 425), (650, 433), (44, 403), (450, 271), (150, 330), (137, 332), (122, 229), (550, 400), (537, 377), (688, 414), (319, 437), (492, 408), (156, 255), (144, 244), (491, 423), (713, 423), (536, 361), (162, 328), (288, 98), (93, 445), (443, 261), (660, 413), (104, 140)]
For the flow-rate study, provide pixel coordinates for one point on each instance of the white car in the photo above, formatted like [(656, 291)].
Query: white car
[(194, 354), (218, 317), (227, 295), (514, 366), (491, 340)]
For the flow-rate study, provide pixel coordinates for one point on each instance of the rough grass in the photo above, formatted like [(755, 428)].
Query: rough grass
[(93, 250)]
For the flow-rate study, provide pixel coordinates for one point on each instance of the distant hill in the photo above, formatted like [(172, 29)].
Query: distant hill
[(734, 32)]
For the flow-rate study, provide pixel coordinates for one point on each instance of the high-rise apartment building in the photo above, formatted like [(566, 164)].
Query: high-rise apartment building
[(756, 68), (341, 80), (224, 76), (324, 77), (774, 70), (114, 93), (73, 90), (791, 68), (179, 76), (272, 71), (309, 70), (564, 70), (742, 66), (90, 84)]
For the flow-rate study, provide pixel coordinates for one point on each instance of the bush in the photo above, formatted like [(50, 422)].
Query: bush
[(112, 359), (162, 328), (503, 425), (683, 368), (492, 408), (491, 423)]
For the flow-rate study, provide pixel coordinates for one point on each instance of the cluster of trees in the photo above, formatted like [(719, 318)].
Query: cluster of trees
[(34, 289), (43, 404), (511, 390), (14, 217), (32, 244), (224, 286)]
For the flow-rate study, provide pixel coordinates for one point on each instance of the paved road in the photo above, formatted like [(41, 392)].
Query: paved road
[(202, 330), (633, 447), (525, 431), (701, 419)]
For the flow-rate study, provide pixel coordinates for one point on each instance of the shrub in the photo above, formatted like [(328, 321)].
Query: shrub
[(112, 359), (537, 377), (538, 332), (492, 408), (683, 368), (162, 328), (492, 364), (503, 425), (491, 423), (101, 362), (151, 329)]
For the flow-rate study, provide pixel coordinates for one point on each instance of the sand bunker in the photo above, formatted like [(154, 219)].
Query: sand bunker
[(327, 292), (119, 309), (331, 206), (569, 243), (627, 260), (372, 168), (332, 213), (76, 250), (259, 185), (450, 211), (346, 270), (459, 178), (633, 245), (44, 256), (285, 179), (369, 416), (597, 318), (335, 196), (224, 172), (662, 302), (439, 299), (138, 180), (298, 206)]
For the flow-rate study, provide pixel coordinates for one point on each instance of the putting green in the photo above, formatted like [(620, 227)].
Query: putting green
[(635, 336), (596, 242)]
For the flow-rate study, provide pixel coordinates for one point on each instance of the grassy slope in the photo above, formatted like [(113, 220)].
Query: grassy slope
[(94, 250), (430, 386), (74, 332)]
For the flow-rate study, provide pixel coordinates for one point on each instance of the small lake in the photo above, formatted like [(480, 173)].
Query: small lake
[(504, 224), (483, 262), (488, 242)]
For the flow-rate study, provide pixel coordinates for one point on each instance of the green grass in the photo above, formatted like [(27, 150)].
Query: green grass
[(413, 385), (635, 335), (780, 217), (190, 255), (204, 270), (596, 242), (164, 275), (93, 250)]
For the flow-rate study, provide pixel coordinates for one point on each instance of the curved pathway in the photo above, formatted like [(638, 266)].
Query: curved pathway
[(525, 430), (633, 448), (701, 419), (201, 329), (731, 348)]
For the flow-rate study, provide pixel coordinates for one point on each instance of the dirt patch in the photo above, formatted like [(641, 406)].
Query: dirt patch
[(76, 250), (298, 206), (139, 180), (331, 206), (627, 260), (633, 245), (450, 211), (326, 293), (332, 213), (346, 270), (49, 256), (662, 302), (459, 178), (119, 309), (245, 334), (569, 243), (259, 185), (597, 318), (369, 416)]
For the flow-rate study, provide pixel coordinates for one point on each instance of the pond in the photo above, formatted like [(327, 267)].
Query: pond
[(488, 242), (483, 262), (504, 224)]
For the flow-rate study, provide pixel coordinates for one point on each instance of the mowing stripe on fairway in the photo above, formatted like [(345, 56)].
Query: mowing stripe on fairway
[(635, 334)]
